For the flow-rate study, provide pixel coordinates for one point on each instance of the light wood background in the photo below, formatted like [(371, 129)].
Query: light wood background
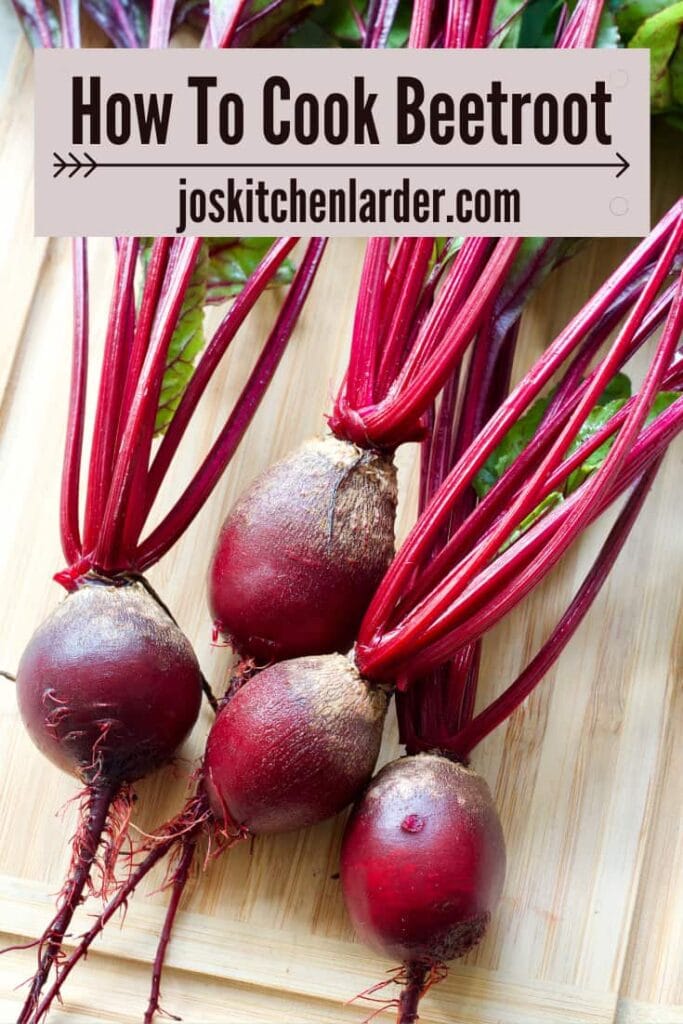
[(588, 775)]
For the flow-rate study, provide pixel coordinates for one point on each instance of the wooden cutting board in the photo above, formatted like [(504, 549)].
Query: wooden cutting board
[(588, 775)]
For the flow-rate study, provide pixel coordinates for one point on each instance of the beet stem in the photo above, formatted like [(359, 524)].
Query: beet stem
[(419, 541), (421, 623), (40, 20), (427, 370), (435, 708), (136, 438), (124, 23), (590, 495), (360, 381), (573, 376), (483, 26), (258, 281), (91, 827), (160, 24), (207, 476), (466, 266), (110, 397), (501, 708), (180, 876), (69, 18), (515, 573), (73, 449), (402, 305), (420, 24), (416, 976), (500, 495), (458, 23), (379, 20), (151, 294), (369, 398), (582, 27), (222, 24)]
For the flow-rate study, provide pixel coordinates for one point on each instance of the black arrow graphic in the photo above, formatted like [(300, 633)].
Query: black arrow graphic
[(88, 164), (624, 165), (74, 164)]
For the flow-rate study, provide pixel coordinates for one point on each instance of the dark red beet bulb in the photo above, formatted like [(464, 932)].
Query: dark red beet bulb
[(301, 553), (294, 746), (108, 686), (423, 861)]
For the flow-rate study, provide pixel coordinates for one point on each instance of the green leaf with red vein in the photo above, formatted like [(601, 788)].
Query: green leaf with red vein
[(223, 268), (614, 397), (232, 260)]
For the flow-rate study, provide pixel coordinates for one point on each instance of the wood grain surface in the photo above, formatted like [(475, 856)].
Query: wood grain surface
[(588, 775)]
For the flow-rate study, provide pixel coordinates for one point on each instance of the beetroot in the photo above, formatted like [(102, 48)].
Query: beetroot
[(290, 747), (422, 865), (109, 686), (303, 550), (294, 746)]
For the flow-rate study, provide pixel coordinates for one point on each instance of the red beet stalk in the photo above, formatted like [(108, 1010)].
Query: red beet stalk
[(663, 243), (500, 709)]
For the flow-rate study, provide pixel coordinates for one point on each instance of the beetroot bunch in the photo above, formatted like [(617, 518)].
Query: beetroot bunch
[(327, 621), (423, 856)]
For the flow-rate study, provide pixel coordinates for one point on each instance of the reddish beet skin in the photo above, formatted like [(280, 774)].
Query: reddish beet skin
[(294, 746), (303, 550), (423, 860), (108, 686)]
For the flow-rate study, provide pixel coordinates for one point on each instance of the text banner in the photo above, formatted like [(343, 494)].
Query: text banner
[(341, 142)]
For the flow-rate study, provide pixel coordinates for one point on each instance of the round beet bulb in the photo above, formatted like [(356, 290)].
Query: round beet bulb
[(302, 552), (108, 686), (294, 746), (423, 861)]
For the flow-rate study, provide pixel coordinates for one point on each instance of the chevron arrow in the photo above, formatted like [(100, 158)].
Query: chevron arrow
[(74, 164)]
